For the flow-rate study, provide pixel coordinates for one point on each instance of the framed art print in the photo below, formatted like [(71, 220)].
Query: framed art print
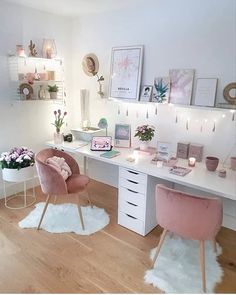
[(101, 143), (146, 93), (122, 135), (181, 86), (205, 92), (161, 91), (126, 70)]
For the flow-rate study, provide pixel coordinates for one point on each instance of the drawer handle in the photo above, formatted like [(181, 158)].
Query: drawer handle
[(136, 173), (132, 204), (135, 182), (130, 216), (132, 191)]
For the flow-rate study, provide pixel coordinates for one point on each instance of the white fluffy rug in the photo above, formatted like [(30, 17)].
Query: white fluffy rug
[(64, 218), (177, 268)]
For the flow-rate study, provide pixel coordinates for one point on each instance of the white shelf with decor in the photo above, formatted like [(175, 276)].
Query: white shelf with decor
[(31, 76)]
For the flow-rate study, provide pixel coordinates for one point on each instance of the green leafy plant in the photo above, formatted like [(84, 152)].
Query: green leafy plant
[(59, 120), (145, 132), (53, 88)]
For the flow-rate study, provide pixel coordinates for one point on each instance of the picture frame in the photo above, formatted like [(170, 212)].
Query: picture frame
[(146, 93), (164, 151), (122, 135), (181, 86), (125, 72), (101, 143), (206, 92), (161, 90)]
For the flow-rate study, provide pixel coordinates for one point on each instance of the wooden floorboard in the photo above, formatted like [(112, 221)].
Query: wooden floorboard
[(112, 260)]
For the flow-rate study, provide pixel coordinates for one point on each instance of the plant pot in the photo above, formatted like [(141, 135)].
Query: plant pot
[(58, 138), (211, 163), (15, 175), (144, 145), (53, 95)]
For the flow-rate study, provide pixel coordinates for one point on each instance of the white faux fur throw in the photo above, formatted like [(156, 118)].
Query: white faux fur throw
[(65, 218), (60, 165), (177, 268)]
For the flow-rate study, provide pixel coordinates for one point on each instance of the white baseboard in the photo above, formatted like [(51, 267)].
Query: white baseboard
[(12, 188)]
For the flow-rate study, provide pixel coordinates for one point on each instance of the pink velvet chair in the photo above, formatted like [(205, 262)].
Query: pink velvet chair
[(53, 184), (190, 217)]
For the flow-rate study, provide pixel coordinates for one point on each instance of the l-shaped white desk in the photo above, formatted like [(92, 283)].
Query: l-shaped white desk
[(137, 180)]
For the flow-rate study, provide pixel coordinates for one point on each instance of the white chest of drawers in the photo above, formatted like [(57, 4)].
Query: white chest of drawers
[(136, 201)]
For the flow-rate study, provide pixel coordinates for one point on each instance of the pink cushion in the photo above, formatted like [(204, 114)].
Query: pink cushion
[(77, 183), (187, 215), (59, 163)]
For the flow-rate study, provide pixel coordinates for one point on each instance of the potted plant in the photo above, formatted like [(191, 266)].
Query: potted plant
[(17, 164), (53, 89), (145, 134), (58, 122)]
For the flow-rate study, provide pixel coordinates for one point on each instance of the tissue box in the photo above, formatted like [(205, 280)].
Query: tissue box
[(87, 135)]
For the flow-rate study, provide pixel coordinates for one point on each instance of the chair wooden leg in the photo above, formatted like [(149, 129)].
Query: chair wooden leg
[(44, 211), (55, 199), (214, 245), (80, 213), (159, 246), (88, 197), (202, 264)]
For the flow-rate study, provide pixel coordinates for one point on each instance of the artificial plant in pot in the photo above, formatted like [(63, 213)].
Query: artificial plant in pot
[(58, 123), (145, 134), (53, 89), (17, 164)]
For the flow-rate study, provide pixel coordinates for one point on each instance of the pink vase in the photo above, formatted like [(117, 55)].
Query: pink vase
[(211, 163)]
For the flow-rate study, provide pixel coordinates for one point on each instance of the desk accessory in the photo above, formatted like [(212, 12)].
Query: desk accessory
[(163, 151), (191, 162), (101, 143), (196, 151), (68, 137), (222, 173), (211, 163), (182, 150), (149, 151), (180, 171), (110, 154), (122, 135), (233, 163)]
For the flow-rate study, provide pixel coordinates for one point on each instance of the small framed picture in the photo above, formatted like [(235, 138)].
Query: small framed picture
[(101, 143), (206, 92), (163, 151), (122, 135), (146, 93)]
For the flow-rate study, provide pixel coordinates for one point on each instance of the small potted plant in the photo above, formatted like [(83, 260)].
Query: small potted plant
[(17, 164), (58, 122), (145, 134), (53, 89)]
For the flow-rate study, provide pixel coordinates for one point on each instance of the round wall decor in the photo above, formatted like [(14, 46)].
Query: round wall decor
[(26, 90), (90, 64), (227, 96)]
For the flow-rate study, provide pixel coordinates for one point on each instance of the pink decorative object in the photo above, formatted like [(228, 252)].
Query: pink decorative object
[(233, 163), (196, 151), (197, 218), (211, 163), (222, 173), (191, 162), (182, 150)]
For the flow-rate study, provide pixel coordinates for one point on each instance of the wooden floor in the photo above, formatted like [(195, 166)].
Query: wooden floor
[(110, 261)]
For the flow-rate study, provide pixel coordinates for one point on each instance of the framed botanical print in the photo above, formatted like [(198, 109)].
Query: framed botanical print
[(161, 91), (126, 70)]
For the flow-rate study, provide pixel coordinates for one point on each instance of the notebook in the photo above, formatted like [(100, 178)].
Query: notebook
[(110, 154)]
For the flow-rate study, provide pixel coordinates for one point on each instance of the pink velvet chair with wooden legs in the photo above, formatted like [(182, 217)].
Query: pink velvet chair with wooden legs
[(53, 184), (191, 217)]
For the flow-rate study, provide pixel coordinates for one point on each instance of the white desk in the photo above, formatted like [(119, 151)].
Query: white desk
[(199, 178)]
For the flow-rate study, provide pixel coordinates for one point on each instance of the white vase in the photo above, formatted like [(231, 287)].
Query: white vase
[(15, 175), (144, 145), (58, 138)]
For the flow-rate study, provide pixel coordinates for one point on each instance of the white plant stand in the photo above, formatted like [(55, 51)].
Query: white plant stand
[(21, 178)]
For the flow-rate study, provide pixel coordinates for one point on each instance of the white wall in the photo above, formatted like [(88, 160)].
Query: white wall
[(28, 123), (175, 34)]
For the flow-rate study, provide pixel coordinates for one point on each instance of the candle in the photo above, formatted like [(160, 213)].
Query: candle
[(49, 52), (191, 162), (159, 164)]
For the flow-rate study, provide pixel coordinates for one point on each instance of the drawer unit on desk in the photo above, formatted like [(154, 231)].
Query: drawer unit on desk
[(131, 223), (133, 175), (132, 185)]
